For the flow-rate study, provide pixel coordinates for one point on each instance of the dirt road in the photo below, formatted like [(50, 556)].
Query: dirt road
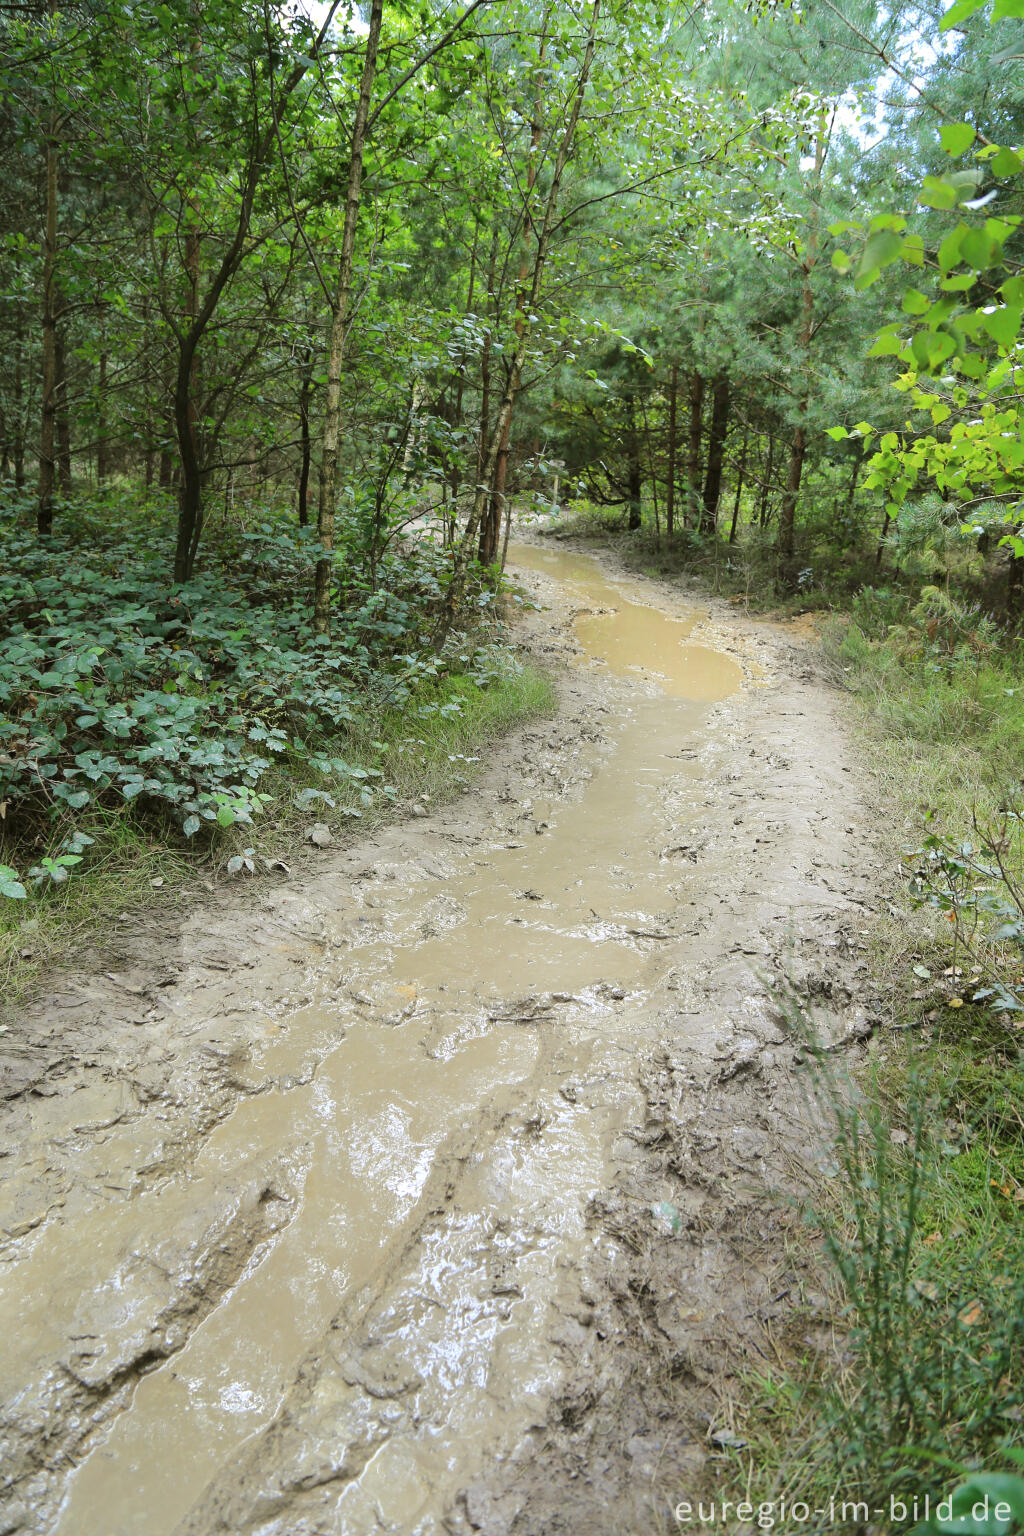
[(443, 1189)]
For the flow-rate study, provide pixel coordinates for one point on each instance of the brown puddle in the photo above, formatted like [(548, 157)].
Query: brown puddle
[(426, 1137), (631, 637)]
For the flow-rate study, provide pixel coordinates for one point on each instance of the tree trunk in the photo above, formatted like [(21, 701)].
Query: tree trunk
[(454, 477), (165, 476), (739, 487), (490, 523), (63, 418), (787, 511), (508, 534), (716, 454), (851, 489), (186, 420), (102, 445), (766, 484), (670, 500), (48, 422), (186, 413), (189, 335), (652, 466), (18, 431), (305, 392), (636, 484), (328, 492), (696, 422)]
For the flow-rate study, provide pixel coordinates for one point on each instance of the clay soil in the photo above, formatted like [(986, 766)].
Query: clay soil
[(449, 1184)]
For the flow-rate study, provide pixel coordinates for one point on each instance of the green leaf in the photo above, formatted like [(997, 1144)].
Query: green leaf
[(1005, 10), (937, 192), (226, 816), (949, 250), (912, 250), (959, 12), (915, 303), (972, 365), (10, 885), (841, 261), (886, 345), (882, 249), (930, 348), (956, 138), (974, 1505), (979, 250), (1006, 163), (1003, 325), (836, 433)]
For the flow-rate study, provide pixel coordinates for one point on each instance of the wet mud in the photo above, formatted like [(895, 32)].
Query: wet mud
[(445, 1187)]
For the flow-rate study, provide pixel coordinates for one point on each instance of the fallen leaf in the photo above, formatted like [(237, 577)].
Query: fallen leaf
[(973, 1313), (955, 1002), (923, 971)]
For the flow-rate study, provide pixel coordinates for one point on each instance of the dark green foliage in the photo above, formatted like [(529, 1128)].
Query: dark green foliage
[(117, 686)]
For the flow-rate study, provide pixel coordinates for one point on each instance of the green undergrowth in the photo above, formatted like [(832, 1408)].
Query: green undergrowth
[(828, 572), (914, 1374), (428, 753), (155, 740)]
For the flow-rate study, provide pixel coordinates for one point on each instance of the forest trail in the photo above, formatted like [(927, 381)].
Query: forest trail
[(440, 1190)]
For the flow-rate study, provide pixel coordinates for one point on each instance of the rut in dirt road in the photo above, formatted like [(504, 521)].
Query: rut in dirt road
[(318, 1219)]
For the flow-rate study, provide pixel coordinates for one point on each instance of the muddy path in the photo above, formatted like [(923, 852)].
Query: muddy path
[(444, 1188)]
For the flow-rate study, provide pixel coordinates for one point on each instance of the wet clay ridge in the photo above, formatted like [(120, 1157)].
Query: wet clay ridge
[(333, 1213)]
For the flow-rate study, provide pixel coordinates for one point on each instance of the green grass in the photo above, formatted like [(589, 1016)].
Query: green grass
[(430, 750), (919, 1239)]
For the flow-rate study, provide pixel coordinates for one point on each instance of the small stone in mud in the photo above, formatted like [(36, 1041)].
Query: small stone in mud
[(319, 835)]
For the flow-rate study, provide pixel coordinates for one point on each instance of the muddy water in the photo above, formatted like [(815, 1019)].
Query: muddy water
[(420, 1142)]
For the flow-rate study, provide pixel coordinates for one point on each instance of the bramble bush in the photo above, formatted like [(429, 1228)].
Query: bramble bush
[(117, 686)]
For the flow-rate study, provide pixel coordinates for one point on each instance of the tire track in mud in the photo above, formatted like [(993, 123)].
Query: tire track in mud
[(474, 1052)]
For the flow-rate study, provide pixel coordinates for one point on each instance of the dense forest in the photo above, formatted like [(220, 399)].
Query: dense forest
[(280, 289)]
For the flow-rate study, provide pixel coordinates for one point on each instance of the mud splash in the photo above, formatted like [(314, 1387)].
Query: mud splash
[(335, 1306), (452, 1007)]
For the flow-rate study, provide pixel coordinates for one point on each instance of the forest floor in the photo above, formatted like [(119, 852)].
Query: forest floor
[(451, 1183)]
